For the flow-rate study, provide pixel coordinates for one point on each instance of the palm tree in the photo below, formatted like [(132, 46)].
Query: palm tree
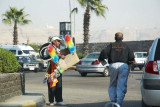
[(15, 16), (90, 5)]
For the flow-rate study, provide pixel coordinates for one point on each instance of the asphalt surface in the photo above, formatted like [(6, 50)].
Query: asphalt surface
[(90, 91)]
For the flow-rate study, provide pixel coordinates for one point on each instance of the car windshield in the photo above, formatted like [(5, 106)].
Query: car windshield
[(24, 59), (93, 56), (140, 55), (28, 51), (34, 57)]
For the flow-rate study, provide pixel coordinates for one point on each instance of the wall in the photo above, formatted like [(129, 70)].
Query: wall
[(136, 46), (11, 84)]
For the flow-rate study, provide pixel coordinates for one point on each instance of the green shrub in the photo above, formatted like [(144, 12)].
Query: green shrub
[(8, 62), (35, 47), (81, 55), (0, 65)]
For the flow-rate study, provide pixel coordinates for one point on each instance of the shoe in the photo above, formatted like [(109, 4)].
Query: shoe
[(112, 104), (61, 104), (51, 104)]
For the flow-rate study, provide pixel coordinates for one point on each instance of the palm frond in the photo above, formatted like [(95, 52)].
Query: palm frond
[(21, 10), (75, 10), (16, 16), (83, 3), (7, 21)]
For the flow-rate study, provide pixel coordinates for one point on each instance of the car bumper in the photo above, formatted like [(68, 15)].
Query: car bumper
[(30, 68), (138, 65), (90, 69), (150, 96)]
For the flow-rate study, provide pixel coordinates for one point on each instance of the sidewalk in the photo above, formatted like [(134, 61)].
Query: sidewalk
[(27, 100)]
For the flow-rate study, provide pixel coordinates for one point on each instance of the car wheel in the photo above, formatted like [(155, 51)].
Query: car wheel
[(106, 72), (144, 105), (132, 68), (83, 74), (141, 68), (36, 70)]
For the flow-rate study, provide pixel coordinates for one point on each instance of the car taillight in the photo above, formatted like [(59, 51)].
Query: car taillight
[(152, 67), (79, 62), (96, 62)]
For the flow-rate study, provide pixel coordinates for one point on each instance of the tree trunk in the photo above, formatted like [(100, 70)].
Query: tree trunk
[(15, 35), (86, 30)]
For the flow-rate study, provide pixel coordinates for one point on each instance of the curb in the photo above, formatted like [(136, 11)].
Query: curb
[(24, 101)]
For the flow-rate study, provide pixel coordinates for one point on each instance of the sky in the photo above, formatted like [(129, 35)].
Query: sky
[(120, 14)]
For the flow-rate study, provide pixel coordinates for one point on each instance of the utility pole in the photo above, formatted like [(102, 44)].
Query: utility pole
[(70, 15)]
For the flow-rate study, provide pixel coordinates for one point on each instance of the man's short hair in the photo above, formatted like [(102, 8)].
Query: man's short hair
[(118, 36)]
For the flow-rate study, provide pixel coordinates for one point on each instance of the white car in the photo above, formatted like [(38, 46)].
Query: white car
[(90, 64), (140, 58), (19, 50), (150, 83)]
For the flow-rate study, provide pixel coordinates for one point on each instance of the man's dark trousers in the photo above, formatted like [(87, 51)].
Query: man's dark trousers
[(55, 91)]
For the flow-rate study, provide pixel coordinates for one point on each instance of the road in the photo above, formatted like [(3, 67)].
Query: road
[(90, 91)]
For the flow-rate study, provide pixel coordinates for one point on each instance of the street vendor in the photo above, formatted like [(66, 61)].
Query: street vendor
[(54, 79)]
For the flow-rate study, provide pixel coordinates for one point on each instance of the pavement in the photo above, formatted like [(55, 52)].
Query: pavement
[(27, 100), (77, 92)]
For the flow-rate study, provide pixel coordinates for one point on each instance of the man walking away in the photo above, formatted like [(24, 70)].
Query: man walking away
[(119, 57)]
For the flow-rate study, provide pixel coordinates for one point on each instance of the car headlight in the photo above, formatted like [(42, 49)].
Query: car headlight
[(37, 65), (24, 65)]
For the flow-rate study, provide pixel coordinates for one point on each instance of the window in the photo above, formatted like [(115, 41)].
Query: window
[(26, 59), (157, 53), (19, 52), (145, 55), (140, 55), (13, 51), (28, 51), (62, 26), (68, 26), (93, 56)]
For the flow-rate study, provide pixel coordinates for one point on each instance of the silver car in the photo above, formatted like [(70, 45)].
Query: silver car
[(90, 64), (150, 84)]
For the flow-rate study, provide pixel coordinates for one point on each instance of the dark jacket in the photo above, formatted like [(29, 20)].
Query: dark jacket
[(117, 52)]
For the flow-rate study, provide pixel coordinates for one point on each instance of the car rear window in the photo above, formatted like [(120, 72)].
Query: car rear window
[(140, 55), (157, 53), (93, 56)]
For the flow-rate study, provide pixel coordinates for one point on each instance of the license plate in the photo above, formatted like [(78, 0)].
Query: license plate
[(86, 63), (31, 68)]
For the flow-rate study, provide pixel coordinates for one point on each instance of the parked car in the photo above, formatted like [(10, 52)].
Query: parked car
[(140, 58), (150, 83), (90, 64), (36, 58), (19, 50), (27, 63)]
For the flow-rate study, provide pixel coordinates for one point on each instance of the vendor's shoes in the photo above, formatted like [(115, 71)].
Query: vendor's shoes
[(61, 104), (51, 104)]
